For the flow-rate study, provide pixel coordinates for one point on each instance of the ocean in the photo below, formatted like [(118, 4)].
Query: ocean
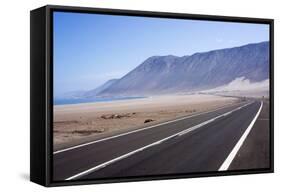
[(89, 100)]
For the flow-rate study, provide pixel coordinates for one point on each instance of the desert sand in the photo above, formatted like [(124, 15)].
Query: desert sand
[(77, 123)]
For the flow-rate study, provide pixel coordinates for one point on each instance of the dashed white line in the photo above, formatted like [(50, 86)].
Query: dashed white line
[(152, 144), (134, 131)]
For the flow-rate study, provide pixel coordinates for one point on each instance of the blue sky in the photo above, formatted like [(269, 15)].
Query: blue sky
[(90, 49)]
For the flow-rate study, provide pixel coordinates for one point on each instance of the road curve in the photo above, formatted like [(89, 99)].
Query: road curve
[(194, 144)]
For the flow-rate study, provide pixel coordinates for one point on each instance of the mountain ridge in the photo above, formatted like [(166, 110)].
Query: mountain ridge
[(94, 92), (199, 71)]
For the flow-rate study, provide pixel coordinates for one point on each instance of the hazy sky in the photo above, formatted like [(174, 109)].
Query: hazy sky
[(90, 49)]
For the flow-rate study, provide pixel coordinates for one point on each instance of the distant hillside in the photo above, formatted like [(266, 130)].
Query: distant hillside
[(200, 71), (87, 94), (94, 92), (72, 95)]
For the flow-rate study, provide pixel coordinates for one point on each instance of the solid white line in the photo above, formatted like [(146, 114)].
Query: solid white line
[(134, 131), (238, 145), (152, 144), (118, 158)]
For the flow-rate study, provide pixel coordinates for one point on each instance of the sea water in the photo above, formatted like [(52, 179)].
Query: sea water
[(89, 100)]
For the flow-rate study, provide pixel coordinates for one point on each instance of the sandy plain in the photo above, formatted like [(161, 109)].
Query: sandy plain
[(77, 123)]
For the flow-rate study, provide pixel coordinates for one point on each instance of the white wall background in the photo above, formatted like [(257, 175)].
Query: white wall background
[(14, 95)]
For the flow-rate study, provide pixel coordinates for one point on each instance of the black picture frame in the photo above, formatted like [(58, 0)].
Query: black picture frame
[(41, 99)]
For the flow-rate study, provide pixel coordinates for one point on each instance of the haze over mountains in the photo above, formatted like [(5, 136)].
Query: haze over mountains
[(99, 89), (200, 71)]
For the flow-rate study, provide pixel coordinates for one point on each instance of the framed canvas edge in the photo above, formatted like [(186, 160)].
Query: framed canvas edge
[(49, 89)]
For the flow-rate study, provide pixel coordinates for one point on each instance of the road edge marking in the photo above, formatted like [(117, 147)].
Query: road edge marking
[(238, 145), (134, 131), (102, 165)]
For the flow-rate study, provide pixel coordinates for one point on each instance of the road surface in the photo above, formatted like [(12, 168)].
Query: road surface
[(233, 137)]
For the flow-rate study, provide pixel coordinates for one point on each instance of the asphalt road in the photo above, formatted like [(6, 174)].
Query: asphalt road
[(193, 144), (255, 152)]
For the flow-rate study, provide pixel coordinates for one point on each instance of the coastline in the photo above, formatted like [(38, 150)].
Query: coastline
[(73, 101), (78, 122)]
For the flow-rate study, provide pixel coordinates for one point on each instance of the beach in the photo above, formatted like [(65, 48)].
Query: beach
[(77, 123)]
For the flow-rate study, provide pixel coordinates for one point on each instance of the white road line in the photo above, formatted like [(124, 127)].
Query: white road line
[(238, 145), (150, 145), (134, 131)]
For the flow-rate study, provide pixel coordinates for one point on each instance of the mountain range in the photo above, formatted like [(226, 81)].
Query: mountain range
[(200, 71)]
